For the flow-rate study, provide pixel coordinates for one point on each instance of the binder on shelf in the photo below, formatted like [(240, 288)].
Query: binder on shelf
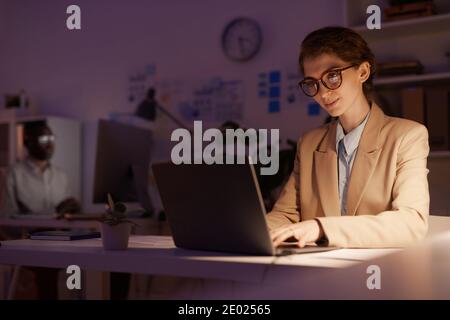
[(437, 117), (413, 104)]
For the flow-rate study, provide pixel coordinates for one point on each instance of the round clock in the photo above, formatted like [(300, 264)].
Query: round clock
[(241, 39)]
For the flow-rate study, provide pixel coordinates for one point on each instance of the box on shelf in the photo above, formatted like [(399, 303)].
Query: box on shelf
[(409, 11), (399, 68)]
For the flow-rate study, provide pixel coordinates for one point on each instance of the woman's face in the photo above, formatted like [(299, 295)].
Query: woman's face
[(336, 102)]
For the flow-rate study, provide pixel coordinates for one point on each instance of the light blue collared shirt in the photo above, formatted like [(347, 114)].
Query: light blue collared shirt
[(346, 146)]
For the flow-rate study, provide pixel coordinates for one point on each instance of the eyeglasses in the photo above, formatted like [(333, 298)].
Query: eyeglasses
[(331, 79), (46, 139)]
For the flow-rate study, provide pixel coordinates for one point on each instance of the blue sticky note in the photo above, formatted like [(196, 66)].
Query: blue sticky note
[(313, 109), (274, 92), (274, 106), (274, 77)]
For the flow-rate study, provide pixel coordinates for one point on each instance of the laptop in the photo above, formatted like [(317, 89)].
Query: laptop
[(218, 208)]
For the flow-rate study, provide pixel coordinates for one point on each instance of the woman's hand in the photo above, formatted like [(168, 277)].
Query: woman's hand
[(304, 232)]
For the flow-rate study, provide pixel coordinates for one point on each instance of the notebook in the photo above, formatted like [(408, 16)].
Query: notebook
[(64, 235)]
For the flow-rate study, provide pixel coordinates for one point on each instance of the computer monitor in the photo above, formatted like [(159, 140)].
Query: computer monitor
[(122, 164)]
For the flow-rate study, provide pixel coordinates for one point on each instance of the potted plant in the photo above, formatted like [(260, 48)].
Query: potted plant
[(115, 227)]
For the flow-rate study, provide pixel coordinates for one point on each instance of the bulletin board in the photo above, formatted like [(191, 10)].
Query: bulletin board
[(213, 99)]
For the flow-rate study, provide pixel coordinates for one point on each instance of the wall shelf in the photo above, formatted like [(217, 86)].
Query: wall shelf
[(440, 154), (425, 39), (421, 78), (410, 26)]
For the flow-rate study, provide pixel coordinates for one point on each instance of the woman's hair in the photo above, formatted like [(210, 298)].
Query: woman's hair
[(345, 43)]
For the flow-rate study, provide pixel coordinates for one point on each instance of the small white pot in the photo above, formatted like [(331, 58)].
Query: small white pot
[(115, 237)]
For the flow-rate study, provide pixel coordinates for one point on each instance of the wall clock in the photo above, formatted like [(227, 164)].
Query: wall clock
[(241, 39)]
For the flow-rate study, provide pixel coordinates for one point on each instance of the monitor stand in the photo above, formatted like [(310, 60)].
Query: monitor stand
[(140, 179)]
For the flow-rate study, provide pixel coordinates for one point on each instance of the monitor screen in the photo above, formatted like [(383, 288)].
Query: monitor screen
[(122, 163)]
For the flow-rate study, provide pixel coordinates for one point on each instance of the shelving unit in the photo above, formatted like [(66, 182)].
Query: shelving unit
[(425, 39), (355, 13)]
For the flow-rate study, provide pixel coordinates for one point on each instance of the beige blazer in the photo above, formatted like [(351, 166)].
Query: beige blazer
[(387, 200)]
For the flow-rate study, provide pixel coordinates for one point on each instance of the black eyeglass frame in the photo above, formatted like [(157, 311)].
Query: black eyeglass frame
[(316, 81)]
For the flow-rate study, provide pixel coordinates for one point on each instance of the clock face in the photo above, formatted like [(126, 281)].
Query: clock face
[(241, 39)]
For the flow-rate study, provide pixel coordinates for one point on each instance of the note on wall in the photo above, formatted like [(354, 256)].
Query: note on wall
[(269, 89), (138, 83), (210, 99), (292, 92), (215, 99)]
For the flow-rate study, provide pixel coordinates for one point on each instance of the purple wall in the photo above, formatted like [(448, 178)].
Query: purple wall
[(83, 74)]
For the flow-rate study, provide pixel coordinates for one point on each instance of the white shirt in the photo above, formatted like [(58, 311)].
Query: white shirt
[(346, 147), (38, 191)]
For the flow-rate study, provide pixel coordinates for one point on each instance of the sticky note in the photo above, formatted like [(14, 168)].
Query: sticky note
[(274, 77), (274, 106), (313, 109), (274, 92)]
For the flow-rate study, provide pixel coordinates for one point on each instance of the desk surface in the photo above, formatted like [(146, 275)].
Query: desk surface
[(158, 255), (424, 266)]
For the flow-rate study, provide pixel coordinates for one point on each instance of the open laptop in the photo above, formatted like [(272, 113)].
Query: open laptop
[(218, 208)]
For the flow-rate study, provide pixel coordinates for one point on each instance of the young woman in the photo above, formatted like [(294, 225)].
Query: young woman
[(361, 180)]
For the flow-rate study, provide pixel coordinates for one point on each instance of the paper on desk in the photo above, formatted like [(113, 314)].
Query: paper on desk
[(340, 258), (151, 242)]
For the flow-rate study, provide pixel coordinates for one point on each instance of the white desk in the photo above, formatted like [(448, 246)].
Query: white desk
[(157, 255), (24, 223), (333, 274)]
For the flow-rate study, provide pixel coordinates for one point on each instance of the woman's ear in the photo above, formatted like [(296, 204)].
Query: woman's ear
[(364, 71)]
